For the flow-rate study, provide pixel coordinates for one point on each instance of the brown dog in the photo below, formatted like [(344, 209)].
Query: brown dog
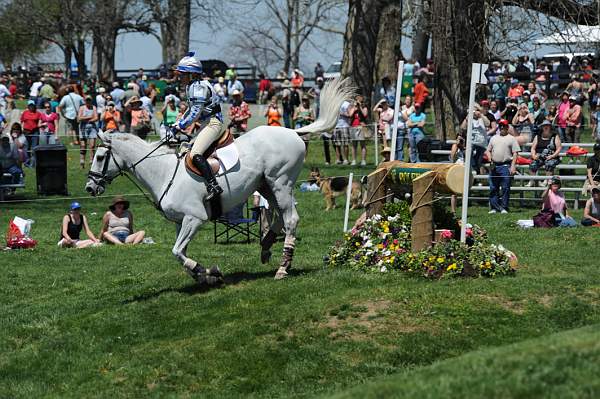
[(332, 187)]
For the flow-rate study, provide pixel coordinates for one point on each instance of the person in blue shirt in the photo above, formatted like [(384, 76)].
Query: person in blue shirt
[(415, 124)]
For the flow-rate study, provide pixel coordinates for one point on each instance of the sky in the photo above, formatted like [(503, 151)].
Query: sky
[(136, 50)]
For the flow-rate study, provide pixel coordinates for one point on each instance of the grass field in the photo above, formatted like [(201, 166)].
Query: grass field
[(128, 322)]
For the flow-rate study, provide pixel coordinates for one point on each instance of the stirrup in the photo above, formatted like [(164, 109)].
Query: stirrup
[(213, 190)]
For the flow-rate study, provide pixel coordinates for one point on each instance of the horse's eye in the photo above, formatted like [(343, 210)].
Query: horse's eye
[(99, 157)]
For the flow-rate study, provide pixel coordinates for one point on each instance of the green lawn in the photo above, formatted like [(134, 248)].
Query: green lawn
[(128, 322)]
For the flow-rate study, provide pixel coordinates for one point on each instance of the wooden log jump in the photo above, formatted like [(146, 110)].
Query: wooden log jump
[(421, 180)]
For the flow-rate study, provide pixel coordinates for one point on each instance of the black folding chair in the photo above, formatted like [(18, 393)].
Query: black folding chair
[(234, 224)]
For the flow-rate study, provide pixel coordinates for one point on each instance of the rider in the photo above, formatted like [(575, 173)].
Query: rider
[(203, 106)]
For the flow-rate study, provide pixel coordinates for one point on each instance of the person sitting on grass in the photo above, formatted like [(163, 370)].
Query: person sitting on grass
[(117, 224), (72, 224), (545, 151), (591, 213), (10, 162), (554, 200), (593, 167)]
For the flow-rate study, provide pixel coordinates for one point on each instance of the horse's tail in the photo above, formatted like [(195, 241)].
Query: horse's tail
[(333, 95)]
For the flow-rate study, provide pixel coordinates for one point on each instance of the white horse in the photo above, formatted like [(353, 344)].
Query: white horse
[(270, 160)]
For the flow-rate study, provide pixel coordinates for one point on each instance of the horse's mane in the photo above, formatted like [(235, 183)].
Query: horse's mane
[(139, 142)]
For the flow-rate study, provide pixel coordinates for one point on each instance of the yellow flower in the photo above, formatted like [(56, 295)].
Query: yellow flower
[(451, 267), (440, 260), (386, 229), (357, 244), (380, 246)]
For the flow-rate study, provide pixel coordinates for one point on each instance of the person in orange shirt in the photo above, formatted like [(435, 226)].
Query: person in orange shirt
[(297, 78), (516, 90), (111, 117), (421, 92), (274, 113)]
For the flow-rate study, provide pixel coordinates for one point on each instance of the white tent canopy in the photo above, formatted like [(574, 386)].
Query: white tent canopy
[(578, 34)]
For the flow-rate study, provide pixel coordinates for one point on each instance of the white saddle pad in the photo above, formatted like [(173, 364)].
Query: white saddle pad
[(228, 156)]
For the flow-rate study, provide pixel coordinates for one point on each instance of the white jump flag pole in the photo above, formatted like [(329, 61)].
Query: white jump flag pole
[(477, 77), (348, 193), (397, 109), (376, 144)]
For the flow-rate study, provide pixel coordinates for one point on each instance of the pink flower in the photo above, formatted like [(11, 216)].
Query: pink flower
[(447, 234), (469, 232), (395, 242)]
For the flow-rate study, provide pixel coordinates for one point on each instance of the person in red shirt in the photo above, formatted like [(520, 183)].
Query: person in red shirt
[(421, 92), (31, 121), (12, 88), (239, 113), (48, 125), (264, 86)]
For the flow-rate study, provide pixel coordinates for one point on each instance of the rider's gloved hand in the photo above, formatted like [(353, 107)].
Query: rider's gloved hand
[(173, 131)]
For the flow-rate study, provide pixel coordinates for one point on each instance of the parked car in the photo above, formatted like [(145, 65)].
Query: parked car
[(333, 71)]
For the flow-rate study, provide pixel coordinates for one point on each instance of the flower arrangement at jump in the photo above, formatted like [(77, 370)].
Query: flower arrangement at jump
[(382, 243)]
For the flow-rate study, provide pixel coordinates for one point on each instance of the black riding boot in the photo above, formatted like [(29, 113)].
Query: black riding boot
[(211, 182)]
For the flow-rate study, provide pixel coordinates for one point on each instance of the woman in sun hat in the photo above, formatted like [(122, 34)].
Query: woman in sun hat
[(72, 225), (140, 118), (117, 224)]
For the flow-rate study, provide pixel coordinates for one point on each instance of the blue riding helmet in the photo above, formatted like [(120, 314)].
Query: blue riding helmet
[(75, 205), (189, 64)]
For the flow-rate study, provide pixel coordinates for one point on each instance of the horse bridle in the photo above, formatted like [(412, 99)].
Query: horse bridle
[(101, 178)]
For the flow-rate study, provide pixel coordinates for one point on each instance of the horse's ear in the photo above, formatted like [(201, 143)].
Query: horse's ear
[(105, 137)]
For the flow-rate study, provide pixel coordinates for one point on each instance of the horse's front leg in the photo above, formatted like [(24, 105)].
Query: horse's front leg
[(185, 232)]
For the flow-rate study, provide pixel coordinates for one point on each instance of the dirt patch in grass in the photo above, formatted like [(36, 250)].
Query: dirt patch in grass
[(545, 300), (516, 307), (360, 322)]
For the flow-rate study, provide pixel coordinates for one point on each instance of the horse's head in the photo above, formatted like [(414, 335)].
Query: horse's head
[(104, 168)]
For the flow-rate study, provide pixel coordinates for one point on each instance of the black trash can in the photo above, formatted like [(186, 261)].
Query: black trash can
[(51, 169)]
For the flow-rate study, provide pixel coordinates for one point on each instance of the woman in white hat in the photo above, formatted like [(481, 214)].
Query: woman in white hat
[(203, 106)]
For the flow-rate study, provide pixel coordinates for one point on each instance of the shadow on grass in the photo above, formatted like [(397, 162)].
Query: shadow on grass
[(230, 279)]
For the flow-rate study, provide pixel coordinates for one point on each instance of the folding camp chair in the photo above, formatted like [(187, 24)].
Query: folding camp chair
[(235, 224)]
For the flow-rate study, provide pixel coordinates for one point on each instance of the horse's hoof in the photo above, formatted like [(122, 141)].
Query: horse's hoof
[(215, 272), (208, 280), (265, 256), (281, 274), (213, 281)]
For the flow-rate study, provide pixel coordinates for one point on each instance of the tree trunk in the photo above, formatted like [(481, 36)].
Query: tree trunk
[(388, 53), (68, 54), (459, 28), (175, 30), (421, 29), (103, 54), (79, 53), (361, 40), (287, 62)]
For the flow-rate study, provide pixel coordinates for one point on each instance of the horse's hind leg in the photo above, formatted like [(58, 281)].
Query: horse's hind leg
[(185, 232), (276, 224), (287, 211)]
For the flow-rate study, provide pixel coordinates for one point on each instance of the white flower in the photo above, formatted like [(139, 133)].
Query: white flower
[(501, 248), (383, 269), (368, 244)]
